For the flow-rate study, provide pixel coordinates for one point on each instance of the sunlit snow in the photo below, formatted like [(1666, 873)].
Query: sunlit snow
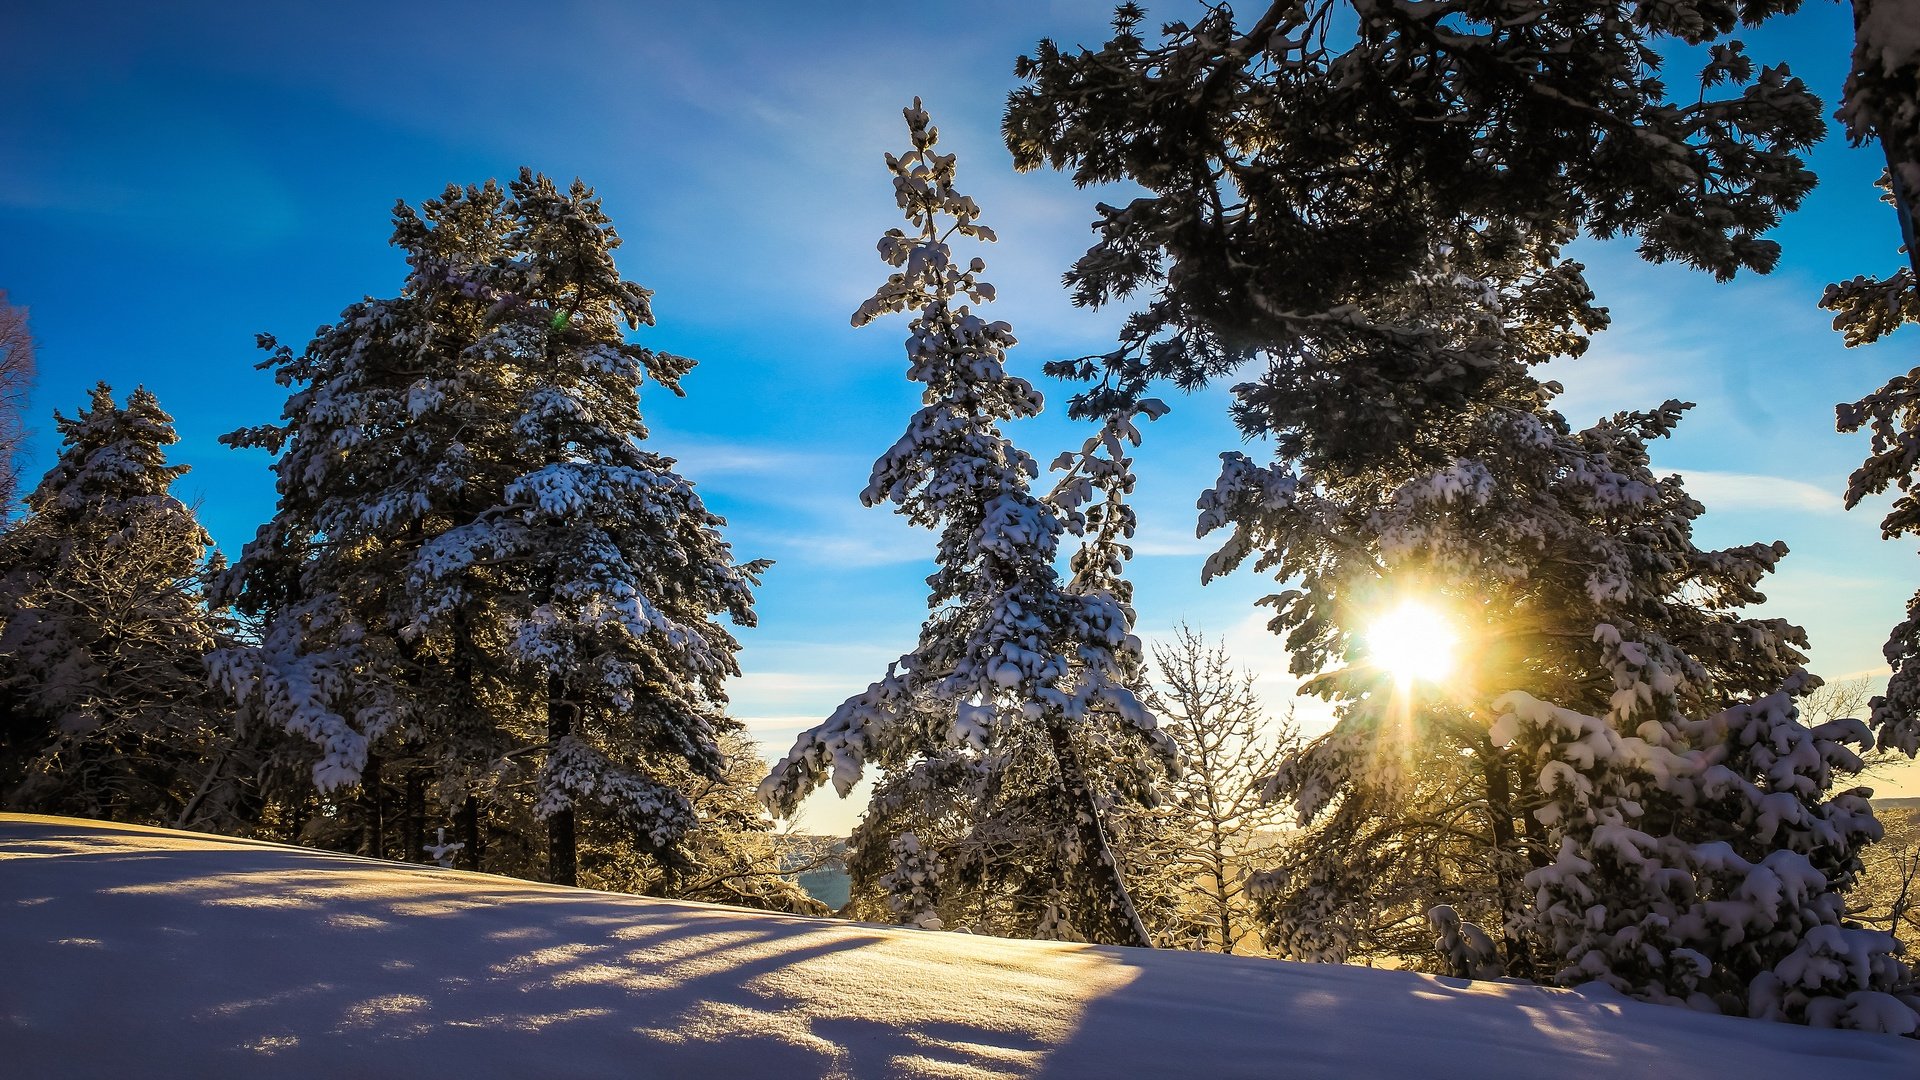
[(140, 952)]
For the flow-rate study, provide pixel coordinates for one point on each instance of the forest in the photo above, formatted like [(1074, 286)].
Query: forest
[(493, 623)]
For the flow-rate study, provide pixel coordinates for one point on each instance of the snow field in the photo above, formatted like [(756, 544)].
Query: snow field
[(130, 951)]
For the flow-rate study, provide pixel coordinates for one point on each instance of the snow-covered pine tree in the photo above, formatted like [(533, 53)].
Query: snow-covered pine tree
[(389, 436), (732, 854), (1421, 407), (103, 632), (1314, 155), (1570, 567), (1703, 861), (1698, 850), (606, 575), (1016, 674), (1261, 241), (475, 569)]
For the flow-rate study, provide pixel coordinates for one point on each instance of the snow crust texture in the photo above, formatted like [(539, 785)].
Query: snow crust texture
[(134, 951)]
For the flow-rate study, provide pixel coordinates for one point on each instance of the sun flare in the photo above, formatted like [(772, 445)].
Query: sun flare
[(1413, 641)]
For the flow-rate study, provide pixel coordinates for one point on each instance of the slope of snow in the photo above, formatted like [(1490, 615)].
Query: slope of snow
[(129, 951)]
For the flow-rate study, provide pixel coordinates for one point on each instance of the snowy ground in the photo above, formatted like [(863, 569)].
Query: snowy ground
[(137, 952)]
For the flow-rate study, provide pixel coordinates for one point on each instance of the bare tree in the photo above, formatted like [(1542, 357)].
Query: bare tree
[(1837, 699), (1216, 816), (16, 381), (1886, 895)]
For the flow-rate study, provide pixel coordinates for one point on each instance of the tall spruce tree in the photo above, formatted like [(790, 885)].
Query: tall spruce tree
[(1017, 676), (388, 437), (476, 562), (103, 632)]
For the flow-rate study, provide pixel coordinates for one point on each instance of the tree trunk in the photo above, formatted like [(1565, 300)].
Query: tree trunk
[(1223, 900), (1897, 146), (562, 860), (1112, 918), (374, 806), (470, 832), (297, 818), (415, 814), (1507, 861)]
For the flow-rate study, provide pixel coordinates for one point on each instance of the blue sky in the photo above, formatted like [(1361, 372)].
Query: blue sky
[(177, 178)]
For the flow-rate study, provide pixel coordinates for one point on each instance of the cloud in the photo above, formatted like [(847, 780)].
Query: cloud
[(794, 683), (1747, 491), (788, 724), (704, 457), (1159, 540)]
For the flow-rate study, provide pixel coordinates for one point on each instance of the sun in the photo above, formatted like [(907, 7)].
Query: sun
[(1413, 641)]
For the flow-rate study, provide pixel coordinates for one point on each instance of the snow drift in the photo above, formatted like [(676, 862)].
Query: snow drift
[(135, 951)]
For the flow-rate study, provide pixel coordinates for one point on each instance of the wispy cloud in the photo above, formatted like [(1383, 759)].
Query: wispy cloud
[(1153, 540), (790, 682), (1747, 491), (705, 457), (788, 725)]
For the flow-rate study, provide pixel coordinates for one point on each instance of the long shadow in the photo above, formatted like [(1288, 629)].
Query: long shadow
[(1221, 1016), (231, 959)]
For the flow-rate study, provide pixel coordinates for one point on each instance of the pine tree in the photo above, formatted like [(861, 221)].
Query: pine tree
[(475, 561), (731, 854), (383, 443), (107, 708), (1315, 157), (1704, 862), (1018, 677), (1315, 207), (1435, 493), (616, 568), (1570, 568)]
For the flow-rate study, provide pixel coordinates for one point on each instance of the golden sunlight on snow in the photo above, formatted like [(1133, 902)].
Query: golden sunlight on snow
[(137, 951)]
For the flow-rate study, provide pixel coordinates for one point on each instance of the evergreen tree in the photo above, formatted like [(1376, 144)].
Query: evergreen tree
[(1703, 862), (476, 563), (1444, 497), (387, 438), (1017, 677), (1380, 226), (107, 709), (1571, 569), (1314, 158), (731, 854)]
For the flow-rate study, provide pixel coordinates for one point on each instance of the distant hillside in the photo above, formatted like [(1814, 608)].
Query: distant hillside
[(142, 952)]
